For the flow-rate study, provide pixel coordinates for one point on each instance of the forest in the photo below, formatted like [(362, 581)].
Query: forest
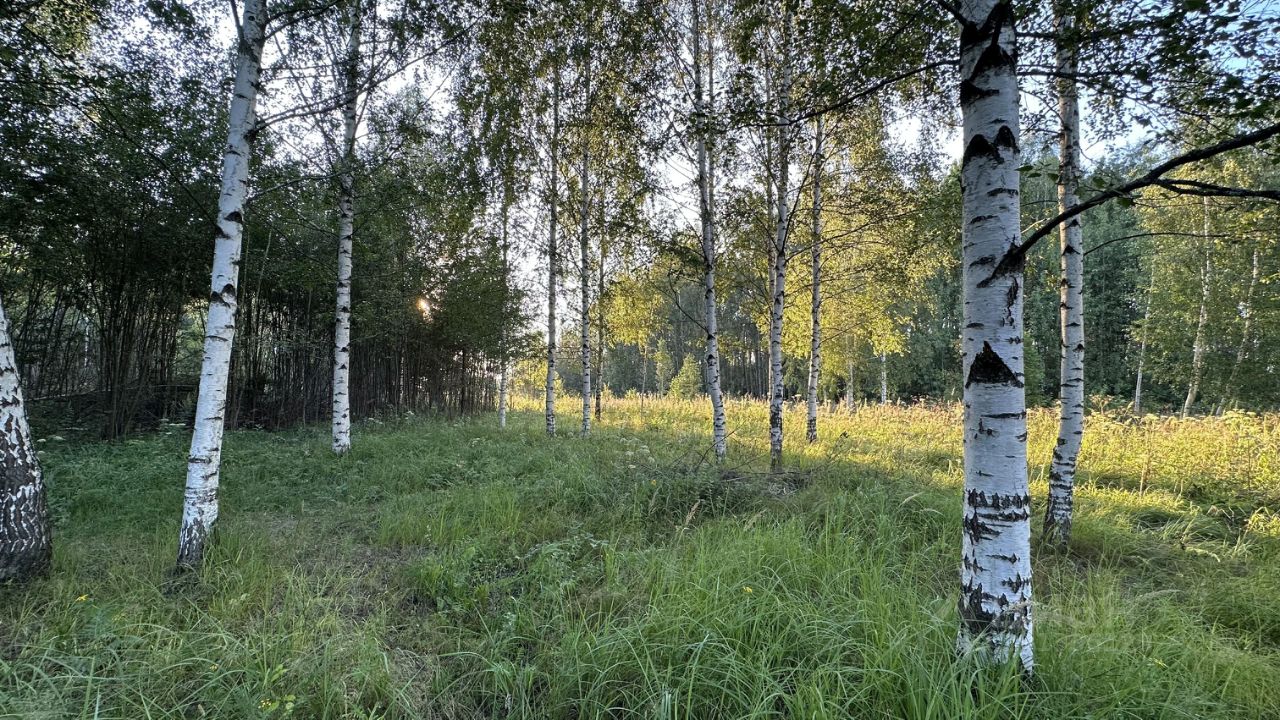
[(648, 358)]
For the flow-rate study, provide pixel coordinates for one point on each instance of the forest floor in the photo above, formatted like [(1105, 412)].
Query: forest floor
[(453, 569)]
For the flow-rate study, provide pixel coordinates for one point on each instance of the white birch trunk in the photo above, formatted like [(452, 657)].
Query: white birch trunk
[(779, 254), (884, 378), (1197, 346), (504, 371), (995, 603), (552, 255), (1231, 393), (599, 384), (706, 214), (1142, 345), (584, 273), (204, 462), (26, 542), (815, 298), (503, 400), (850, 392), (1062, 471), (346, 229)]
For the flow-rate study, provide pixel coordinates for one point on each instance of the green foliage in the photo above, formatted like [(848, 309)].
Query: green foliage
[(688, 382)]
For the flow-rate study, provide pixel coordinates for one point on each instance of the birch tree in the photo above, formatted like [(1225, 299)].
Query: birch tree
[(1062, 471), (584, 243), (779, 171), (995, 601), (703, 99), (553, 202), (504, 372), (1145, 331), (204, 462), (26, 542), (815, 297), (346, 229), (1230, 395), (1198, 344)]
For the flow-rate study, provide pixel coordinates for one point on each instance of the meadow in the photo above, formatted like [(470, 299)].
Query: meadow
[(448, 568)]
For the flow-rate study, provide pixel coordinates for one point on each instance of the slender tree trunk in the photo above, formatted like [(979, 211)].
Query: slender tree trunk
[(552, 254), (815, 301), (1142, 345), (584, 273), (504, 371), (850, 394), (779, 254), (884, 378), (644, 371), (346, 228), (1197, 346), (706, 214), (26, 542), (995, 602), (1231, 393), (599, 386), (1062, 471), (204, 462)]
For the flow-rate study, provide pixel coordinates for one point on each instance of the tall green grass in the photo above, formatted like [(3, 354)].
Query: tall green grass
[(452, 569)]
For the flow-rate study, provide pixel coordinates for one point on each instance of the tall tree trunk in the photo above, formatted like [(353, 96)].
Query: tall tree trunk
[(552, 255), (1062, 471), (346, 228), (779, 254), (1231, 392), (706, 215), (995, 602), (504, 371), (644, 371), (850, 393), (1197, 346), (599, 386), (815, 300), (26, 543), (1142, 345), (204, 462), (884, 378), (584, 271)]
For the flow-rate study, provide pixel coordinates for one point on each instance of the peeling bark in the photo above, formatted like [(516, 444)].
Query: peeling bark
[(995, 602), (26, 542), (204, 462), (1071, 388), (346, 229)]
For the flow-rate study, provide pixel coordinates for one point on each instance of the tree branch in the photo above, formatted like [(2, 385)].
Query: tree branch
[(1014, 258)]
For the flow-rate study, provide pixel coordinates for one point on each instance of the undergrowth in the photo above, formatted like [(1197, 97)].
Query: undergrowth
[(452, 569)]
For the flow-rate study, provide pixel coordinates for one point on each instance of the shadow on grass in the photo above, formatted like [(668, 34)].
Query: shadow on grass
[(451, 569)]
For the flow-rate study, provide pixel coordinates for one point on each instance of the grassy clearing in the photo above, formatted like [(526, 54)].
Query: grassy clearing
[(454, 570)]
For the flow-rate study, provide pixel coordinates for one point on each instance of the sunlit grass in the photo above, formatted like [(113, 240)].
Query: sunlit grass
[(454, 569)]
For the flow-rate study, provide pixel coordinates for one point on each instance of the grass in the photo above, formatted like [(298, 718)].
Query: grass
[(451, 569)]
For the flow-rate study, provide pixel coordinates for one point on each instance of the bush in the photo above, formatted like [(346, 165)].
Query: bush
[(688, 382)]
